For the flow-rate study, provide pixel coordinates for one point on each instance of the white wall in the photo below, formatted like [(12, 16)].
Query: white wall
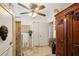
[(65, 5)]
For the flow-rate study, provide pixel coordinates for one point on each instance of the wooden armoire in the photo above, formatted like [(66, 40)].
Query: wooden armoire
[(67, 31)]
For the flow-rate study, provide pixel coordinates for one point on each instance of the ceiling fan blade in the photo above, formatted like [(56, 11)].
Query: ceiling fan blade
[(24, 13), (41, 14), (33, 5), (40, 7), (23, 6)]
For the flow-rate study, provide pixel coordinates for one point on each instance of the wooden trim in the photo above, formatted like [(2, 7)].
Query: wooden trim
[(71, 8), (18, 39)]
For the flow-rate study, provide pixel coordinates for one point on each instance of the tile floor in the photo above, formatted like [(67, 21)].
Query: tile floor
[(38, 51)]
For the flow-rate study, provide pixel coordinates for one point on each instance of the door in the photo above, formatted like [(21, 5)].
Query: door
[(61, 37), (35, 36), (40, 33), (75, 34), (7, 21), (43, 33)]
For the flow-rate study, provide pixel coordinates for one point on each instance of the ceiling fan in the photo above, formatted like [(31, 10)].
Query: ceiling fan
[(33, 9)]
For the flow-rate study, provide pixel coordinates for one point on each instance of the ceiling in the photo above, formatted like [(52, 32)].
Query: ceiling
[(49, 11)]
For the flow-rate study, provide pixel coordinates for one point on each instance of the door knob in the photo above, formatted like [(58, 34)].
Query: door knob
[(11, 43)]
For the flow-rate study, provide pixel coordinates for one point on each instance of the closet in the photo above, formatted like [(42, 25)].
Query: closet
[(67, 31), (40, 33)]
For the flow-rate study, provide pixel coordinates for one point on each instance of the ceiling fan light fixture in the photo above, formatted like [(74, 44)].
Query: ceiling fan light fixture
[(34, 9), (32, 14)]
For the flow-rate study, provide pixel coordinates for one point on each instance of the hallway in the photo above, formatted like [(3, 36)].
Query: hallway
[(39, 29)]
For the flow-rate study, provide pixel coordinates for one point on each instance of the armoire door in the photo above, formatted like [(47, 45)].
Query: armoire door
[(61, 38), (75, 35)]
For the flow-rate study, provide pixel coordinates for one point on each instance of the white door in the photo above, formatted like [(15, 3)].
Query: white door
[(43, 33), (40, 33), (6, 19), (35, 36)]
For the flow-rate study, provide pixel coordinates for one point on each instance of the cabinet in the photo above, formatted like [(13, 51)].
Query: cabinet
[(67, 31)]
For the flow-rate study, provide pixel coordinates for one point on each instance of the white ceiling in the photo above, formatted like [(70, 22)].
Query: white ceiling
[(48, 11)]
